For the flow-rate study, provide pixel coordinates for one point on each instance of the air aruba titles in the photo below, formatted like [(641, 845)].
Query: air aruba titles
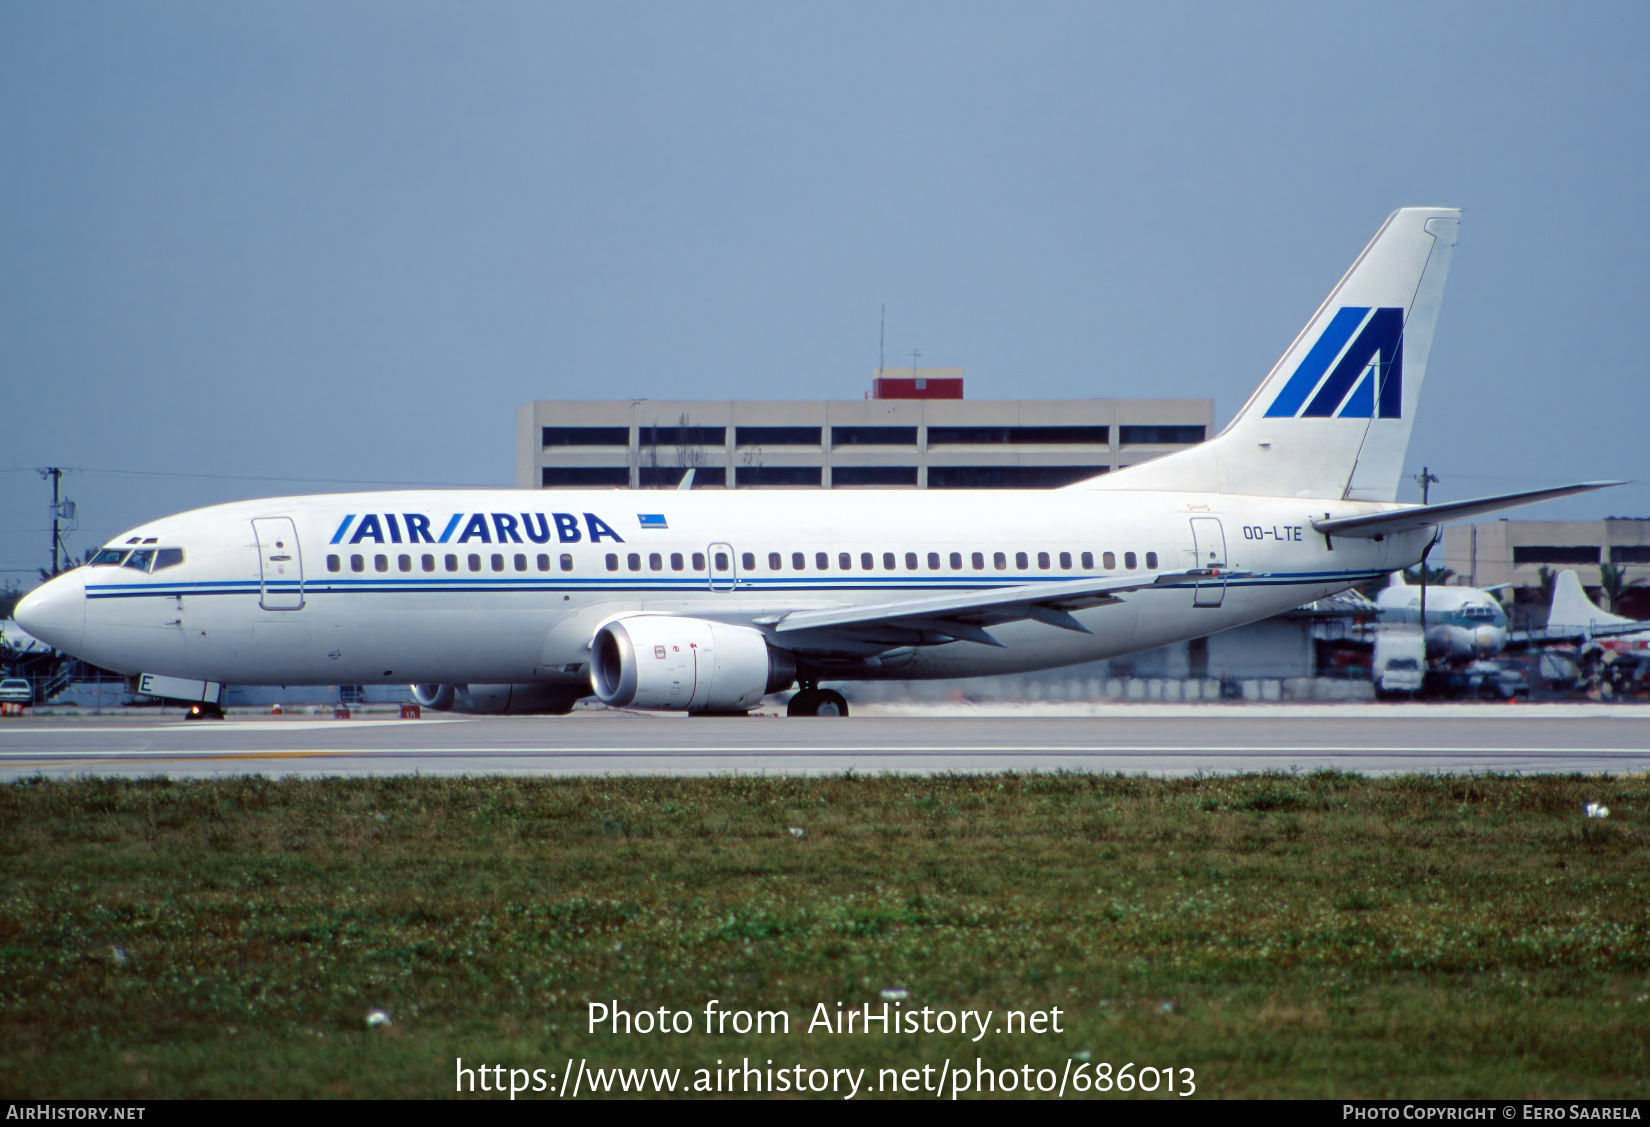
[(482, 528)]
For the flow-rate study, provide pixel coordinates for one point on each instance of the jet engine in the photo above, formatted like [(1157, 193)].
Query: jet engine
[(528, 699), (665, 662)]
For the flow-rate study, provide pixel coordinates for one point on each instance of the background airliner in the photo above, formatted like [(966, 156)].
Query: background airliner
[(1575, 617), (1463, 623), (707, 601)]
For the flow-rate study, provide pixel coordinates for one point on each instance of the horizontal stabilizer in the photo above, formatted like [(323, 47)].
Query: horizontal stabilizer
[(1554, 635), (1378, 525)]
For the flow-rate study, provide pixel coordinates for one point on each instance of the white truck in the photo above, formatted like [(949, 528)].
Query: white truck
[(1400, 663)]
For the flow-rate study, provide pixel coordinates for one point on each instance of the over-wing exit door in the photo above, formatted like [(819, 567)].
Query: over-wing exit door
[(280, 564), (1209, 544), (722, 569)]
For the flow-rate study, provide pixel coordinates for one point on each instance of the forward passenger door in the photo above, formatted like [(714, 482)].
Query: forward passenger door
[(280, 564)]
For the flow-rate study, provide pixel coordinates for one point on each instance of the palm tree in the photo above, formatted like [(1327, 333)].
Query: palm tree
[(1435, 576), (1611, 579)]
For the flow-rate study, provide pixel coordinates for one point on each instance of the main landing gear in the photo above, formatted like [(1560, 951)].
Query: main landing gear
[(814, 701)]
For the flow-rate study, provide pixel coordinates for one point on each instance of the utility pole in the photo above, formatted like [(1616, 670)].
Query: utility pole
[(61, 511), (57, 480), (1424, 479)]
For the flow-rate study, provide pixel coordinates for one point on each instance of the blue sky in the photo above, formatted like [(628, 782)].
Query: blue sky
[(345, 241)]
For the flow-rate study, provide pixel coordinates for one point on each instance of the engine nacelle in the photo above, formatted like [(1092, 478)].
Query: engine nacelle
[(659, 661), (526, 699), (438, 697)]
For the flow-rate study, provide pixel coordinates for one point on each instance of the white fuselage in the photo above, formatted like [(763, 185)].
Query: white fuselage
[(509, 586)]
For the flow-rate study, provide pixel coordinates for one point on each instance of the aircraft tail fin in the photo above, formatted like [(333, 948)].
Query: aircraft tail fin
[(1572, 609), (1332, 419)]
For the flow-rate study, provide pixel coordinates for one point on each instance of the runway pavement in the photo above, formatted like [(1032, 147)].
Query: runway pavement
[(1163, 741)]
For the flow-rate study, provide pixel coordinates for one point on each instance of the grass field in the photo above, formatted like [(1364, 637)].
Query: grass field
[(1322, 935)]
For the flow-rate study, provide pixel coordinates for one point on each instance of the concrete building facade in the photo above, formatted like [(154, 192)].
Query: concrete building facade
[(1515, 551), (927, 443)]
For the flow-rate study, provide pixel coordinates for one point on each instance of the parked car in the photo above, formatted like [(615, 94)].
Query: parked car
[(16, 690)]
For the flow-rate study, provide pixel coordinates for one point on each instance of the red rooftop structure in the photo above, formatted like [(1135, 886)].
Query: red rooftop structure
[(918, 385)]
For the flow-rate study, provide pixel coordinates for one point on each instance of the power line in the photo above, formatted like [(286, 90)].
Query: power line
[(263, 477)]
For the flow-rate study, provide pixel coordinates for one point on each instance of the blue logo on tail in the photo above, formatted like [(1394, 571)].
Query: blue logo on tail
[(1368, 380)]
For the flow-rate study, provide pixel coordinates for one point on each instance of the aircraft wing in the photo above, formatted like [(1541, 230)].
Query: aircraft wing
[(1375, 526), (964, 617)]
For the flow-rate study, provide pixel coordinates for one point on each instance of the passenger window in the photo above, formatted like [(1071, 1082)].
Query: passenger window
[(655, 562), (676, 563), (475, 562), (1088, 560), (543, 561), (1110, 561), (404, 562), (776, 562), (698, 561), (933, 561), (748, 561), (634, 559), (888, 560), (109, 557), (168, 557), (356, 563), (845, 561), (822, 560), (1130, 560), (498, 562), (721, 561), (520, 561), (451, 562), (334, 563), (956, 561), (978, 560), (1151, 561), (999, 561), (1020, 561), (910, 561), (612, 562), (1065, 561), (867, 561), (567, 562), (380, 563), (428, 562), (1042, 560), (799, 562)]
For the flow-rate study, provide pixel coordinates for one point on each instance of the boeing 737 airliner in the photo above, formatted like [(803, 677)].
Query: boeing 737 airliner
[(707, 601)]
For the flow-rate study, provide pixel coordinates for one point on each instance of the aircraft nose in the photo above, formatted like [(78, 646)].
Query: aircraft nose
[(55, 612), (1487, 640)]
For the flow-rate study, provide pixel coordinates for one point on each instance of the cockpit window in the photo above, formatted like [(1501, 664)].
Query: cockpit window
[(141, 559), (168, 557), (109, 557)]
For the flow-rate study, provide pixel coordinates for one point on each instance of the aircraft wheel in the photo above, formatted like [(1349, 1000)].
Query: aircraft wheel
[(817, 702)]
